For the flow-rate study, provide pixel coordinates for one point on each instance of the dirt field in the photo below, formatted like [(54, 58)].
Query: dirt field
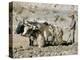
[(21, 49)]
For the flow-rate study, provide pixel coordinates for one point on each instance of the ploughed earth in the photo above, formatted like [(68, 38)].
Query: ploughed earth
[(21, 49)]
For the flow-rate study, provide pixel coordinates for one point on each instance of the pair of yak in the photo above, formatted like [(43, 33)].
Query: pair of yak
[(41, 34)]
